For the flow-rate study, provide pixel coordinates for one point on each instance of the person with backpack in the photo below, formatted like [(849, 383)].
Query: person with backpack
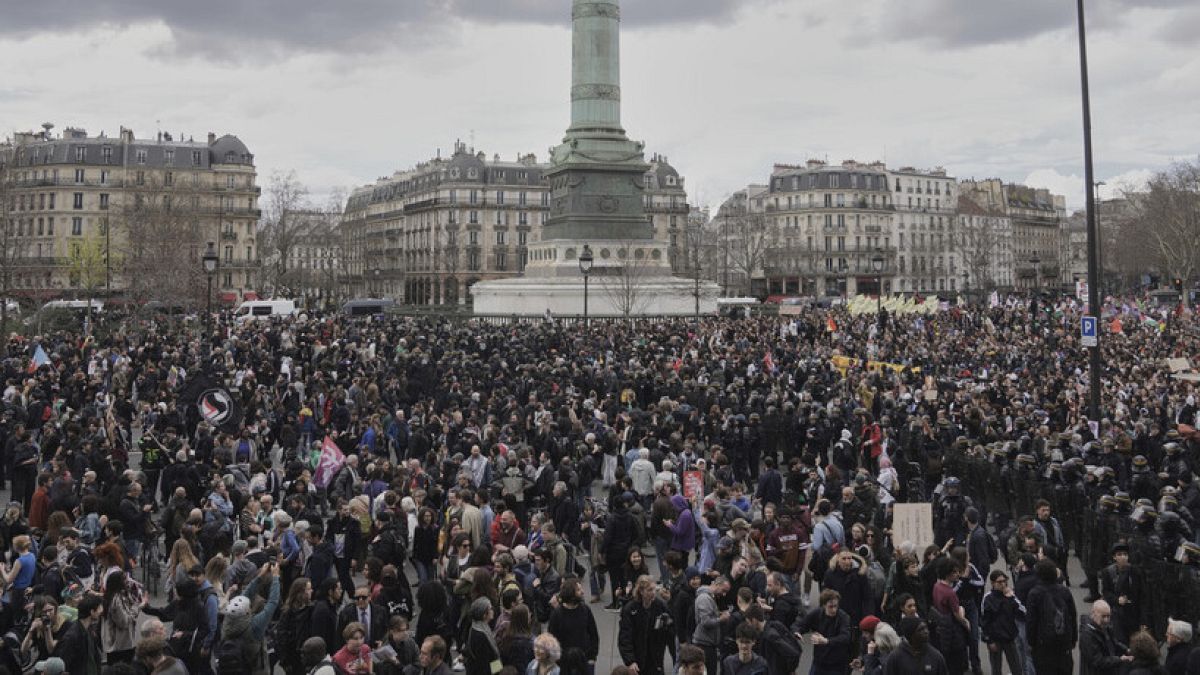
[(777, 645), (1051, 620), (243, 646)]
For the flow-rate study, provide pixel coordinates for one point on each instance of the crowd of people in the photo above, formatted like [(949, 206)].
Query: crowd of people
[(331, 496)]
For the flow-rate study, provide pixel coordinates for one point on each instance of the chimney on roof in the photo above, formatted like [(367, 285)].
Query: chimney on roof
[(126, 135), (212, 138), (814, 163)]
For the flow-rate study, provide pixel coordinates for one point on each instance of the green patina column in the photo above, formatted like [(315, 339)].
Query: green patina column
[(596, 184), (595, 67)]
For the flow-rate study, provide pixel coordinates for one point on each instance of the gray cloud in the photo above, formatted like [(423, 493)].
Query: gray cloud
[(957, 24), (236, 30)]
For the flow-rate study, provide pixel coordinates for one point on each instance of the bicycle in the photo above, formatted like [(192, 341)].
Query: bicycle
[(151, 563)]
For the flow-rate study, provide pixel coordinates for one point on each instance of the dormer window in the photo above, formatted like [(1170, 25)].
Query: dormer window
[(454, 172), (472, 173)]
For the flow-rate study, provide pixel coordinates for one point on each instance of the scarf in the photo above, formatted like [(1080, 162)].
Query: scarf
[(482, 627)]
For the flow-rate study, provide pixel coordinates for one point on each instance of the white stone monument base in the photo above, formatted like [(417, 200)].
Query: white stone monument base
[(607, 296)]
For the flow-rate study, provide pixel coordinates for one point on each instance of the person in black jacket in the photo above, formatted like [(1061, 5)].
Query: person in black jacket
[(480, 654), (683, 595), (1099, 651), (1179, 646), (915, 654), (645, 628), (320, 563), (777, 645), (79, 647), (831, 635), (573, 623), (619, 534), (374, 617), (1052, 628), (324, 613), (999, 624)]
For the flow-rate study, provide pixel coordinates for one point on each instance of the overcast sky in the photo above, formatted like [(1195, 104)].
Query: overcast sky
[(349, 91)]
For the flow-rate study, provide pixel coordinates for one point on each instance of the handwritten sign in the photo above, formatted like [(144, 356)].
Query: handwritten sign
[(913, 522), (693, 484)]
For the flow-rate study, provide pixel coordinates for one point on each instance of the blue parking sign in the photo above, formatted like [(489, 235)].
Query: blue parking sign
[(1087, 331)]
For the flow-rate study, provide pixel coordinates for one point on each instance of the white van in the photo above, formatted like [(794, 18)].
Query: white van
[(254, 310)]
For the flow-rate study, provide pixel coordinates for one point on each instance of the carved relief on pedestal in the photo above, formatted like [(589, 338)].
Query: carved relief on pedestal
[(604, 92)]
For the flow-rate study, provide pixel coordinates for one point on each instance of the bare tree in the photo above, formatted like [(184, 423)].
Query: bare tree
[(12, 247), (279, 232), (980, 246), (751, 235), (161, 238), (624, 284), (1168, 214)]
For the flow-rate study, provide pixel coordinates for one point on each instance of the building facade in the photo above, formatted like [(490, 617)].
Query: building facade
[(424, 236), (927, 255), (984, 238), (150, 206), (829, 223), (1036, 215), (315, 264)]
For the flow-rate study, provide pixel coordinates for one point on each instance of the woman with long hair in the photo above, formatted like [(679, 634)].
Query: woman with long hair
[(180, 560), (573, 623), (214, 572), (294, 626), (122, 605), (635, 567), (424, 549), (516, 647), (109, 560), (434, 617)]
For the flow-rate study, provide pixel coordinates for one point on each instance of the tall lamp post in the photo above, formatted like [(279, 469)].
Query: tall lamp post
[(377, 282), (966, 275), (877, 266), (210, 260), (585, 267), (696, 289)]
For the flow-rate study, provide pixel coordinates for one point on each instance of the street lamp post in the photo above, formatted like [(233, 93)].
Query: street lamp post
[(696, 289), (966, 275), (377, 282), (877, 265), (585, 268), (210, 260)]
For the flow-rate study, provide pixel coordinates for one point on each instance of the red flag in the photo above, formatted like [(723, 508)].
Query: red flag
[(1115, 326), (830, 324), (769, 362), (331, 460)]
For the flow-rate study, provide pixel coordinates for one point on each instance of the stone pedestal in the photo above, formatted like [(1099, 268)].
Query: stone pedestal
[(607, 296)]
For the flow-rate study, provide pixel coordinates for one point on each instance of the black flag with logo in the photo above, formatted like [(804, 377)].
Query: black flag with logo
[(213, 402)]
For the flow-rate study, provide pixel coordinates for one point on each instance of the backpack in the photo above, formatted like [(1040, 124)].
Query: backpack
[(787, 649), (389, 548), (573, 567), (818, 565), (231, 657), (1054, 621)]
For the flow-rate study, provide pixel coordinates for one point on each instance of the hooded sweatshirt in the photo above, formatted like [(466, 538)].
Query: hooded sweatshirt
[(251, 629), (683, 531)]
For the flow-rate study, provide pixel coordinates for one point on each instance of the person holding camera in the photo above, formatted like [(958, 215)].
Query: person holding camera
[(646, 629)]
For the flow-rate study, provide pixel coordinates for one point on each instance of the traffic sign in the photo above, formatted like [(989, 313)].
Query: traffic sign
[(1087, 331)]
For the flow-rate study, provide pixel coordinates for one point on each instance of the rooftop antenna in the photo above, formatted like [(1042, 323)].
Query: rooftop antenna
[(472, 141)]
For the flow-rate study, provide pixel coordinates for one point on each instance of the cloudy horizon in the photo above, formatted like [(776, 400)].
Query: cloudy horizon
[(348, 93)]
